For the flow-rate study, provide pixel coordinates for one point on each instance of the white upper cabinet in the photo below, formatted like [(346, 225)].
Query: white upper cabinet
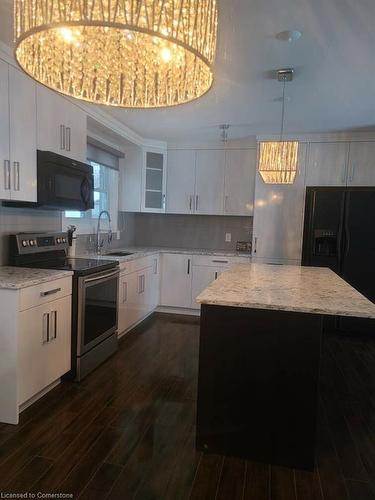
[(4, 132), (327, 164), (240, 167), (209, 187), (130, 192), (154, 181), (62, 126), (278, 218), (361, 169), (21, 176), (181, 182)]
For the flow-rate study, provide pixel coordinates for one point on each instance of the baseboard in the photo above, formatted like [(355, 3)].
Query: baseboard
[(178, 310), (122, 334), (40, 394)]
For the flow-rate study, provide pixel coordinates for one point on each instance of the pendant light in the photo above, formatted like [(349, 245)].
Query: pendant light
[(278, 159), (129, 53)]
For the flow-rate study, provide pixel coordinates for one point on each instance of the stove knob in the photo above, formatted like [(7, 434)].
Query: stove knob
[(25, 243), (31, 242), (64, 240), (58, 241)]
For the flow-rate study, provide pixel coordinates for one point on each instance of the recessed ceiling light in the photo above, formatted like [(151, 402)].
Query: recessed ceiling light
[(289, 36)]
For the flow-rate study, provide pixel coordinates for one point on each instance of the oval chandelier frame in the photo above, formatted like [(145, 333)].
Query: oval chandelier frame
[(126, 53)]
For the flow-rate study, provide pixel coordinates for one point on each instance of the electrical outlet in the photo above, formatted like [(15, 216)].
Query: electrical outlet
[(228, 237)]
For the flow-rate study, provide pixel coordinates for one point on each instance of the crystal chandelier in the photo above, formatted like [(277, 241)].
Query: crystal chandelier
[(129, 53), (278, 159)]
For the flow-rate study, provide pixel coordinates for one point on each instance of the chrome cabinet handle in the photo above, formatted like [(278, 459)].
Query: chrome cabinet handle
[(196, 202), (50, 292), (16, 179), (7, 175), (188, 267), (155, 266), (351, 178), (344, 174), (163, 202), (53, 326), (68, 138), (125, 292), (45, 329), (141, 284), (255, 244), (144, 283), (215, 275), (226, 203), (190, 202), (62, 137), (221, 261)]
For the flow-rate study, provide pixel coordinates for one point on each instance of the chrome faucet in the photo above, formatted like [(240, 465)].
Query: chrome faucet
[(99, 240)]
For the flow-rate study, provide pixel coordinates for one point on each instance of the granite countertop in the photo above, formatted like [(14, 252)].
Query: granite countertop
[(139, 252), (21, 277), (287, 288)]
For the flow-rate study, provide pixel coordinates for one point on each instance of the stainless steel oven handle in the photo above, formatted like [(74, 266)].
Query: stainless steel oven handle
[(102, 277)]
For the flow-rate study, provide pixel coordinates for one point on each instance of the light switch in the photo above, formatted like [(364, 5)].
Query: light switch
[(228, 237)]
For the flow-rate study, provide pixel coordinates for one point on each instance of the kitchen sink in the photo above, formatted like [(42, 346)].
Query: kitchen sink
[(120, 254)]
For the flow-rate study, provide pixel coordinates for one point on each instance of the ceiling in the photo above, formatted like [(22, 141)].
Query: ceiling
[(334, 62)]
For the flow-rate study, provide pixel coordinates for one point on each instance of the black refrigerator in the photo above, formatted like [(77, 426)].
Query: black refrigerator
[(339, 233)]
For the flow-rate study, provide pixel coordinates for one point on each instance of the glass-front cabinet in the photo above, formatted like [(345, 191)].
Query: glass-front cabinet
[(154, 181)]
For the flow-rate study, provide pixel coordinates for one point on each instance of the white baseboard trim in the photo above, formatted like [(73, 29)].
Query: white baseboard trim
[(40, 394), (122, 334)]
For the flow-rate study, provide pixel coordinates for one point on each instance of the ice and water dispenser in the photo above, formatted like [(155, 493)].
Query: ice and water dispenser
[(325, 243)]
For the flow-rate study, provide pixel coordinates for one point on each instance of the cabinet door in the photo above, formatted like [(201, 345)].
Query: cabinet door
[(75, 121), (51, 133), (4, 132), (203, 277), (130, 193), (278, 218), (154, 181), (361, 170), (43, 347), (327, 164), (129, 302), (240, 167), (209, 187), (176, 280), (22, 100), (181, 182)]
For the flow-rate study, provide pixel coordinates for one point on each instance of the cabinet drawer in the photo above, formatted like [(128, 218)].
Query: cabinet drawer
[(138, 264), (37, 295), (218, 260)]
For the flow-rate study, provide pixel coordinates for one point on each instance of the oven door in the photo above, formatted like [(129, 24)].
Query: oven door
[(97, 309)]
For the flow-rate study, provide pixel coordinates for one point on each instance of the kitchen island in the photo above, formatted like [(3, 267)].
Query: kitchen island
[(260, 343)]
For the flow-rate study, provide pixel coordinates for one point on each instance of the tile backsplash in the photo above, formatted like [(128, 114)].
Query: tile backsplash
[(17, 220), (191, 231)]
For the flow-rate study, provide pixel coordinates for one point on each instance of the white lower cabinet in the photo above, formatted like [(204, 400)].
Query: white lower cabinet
[(138, 293), (207, 269), (44, 346), (176, 280), (35, 342)]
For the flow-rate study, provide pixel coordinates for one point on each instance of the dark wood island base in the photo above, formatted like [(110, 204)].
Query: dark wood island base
[(258, 384)]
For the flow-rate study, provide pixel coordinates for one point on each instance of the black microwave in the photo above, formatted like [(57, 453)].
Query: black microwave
[(63, 183)]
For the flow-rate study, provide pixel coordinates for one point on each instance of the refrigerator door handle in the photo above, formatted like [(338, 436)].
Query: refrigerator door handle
[(347, 231)]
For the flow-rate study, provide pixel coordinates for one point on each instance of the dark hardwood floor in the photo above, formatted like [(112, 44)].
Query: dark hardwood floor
[(128, 430)]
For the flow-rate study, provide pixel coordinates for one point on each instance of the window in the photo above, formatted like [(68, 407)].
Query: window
[(105, 198)]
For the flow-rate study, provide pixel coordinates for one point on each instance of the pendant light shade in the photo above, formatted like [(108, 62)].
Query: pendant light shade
[(278, 161), (129, 53)]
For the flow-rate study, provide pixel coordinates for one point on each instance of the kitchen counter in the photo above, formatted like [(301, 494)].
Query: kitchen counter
[(259, 359), (22, 277), (139, 252), (287, 288)]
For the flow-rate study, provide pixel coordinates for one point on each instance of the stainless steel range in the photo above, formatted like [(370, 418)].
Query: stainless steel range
[(94, 298)]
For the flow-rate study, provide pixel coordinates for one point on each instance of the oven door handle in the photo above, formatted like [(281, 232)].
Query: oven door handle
[(103, 277)]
